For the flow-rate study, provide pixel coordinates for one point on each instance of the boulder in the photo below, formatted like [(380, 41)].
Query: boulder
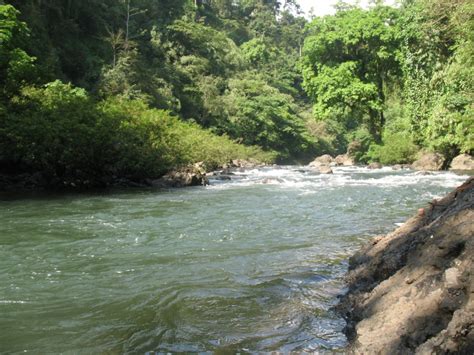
[(325, 169), (325, 159), (375, 165), (345, 160), (190, 176), (429, 161), (462, 162)]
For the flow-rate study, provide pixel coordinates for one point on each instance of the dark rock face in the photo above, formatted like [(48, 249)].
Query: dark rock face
[(429, 161), (411, 291)]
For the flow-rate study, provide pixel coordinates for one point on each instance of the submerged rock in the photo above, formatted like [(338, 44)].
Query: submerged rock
[(429, 161), (412, 291), (462, 162)]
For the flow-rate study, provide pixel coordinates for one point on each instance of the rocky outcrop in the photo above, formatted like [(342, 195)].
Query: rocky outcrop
[(429, 161), (412, 290), (190, 176), (345, 160), (462, 162)]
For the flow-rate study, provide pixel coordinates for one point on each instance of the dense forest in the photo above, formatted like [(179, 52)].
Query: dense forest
[(94, 89)]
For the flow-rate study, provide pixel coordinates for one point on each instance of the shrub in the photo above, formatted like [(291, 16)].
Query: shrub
[(397, 148)]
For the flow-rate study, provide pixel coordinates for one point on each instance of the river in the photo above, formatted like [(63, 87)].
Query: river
[(251, 264)]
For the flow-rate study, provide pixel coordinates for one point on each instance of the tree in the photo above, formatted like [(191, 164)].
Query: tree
[(17, 67), (348, 60)]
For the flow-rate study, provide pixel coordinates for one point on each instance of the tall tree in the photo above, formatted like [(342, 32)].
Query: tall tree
[(348, 60)]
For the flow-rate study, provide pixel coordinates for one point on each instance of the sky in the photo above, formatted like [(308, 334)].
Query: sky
[(325, 7)]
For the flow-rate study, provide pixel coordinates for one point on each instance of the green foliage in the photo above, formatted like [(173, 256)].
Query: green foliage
[(397, 148), (55, 129), (438, 73), (16, 66), (60, 131), (260, 114), (348, 60), (360, 141)]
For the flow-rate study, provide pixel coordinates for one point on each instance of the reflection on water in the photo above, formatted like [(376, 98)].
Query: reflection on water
[(251, 264)]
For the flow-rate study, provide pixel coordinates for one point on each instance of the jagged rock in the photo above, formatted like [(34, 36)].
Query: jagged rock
[(412, 291), (375, 165), (429, 161), (325, 159), (462, 162)]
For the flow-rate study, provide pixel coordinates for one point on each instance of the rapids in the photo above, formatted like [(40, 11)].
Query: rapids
[(251, 264)]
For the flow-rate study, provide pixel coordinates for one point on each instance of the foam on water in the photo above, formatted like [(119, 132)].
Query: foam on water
[(308, 180), (252, 264)]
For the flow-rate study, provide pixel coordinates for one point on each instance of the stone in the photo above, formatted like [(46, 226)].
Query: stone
[(190, 176), (325, 159), (375, 165), (344, 160), (462, 162), (451, 277), (325, 169), (241, 163), (429, 161)]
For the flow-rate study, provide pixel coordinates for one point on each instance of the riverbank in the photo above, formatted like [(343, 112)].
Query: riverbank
[(411, 291)]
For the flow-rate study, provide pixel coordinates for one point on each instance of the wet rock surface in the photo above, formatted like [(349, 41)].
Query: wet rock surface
[(411, 291)]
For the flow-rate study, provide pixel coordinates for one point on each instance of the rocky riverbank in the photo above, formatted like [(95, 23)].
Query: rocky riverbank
[(411, 291)]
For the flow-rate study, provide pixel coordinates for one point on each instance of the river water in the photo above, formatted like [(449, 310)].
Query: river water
[(251, 264)]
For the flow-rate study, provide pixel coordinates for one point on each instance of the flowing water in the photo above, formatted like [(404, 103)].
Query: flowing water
[(251, 264)]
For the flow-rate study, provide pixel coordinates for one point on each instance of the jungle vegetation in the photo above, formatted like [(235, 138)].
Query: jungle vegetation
[(98, 88)]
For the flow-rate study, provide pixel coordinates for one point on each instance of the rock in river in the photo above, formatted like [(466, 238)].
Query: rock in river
[(190, 176), (344, 159), (429, 161), (462, 162), (325, 159)]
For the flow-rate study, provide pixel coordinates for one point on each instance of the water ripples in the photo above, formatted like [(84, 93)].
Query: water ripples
[(251, 264)]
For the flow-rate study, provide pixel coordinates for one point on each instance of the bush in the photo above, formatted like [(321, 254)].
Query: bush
[(59, 130), (397, 148), (360, 141), (55, 129)]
